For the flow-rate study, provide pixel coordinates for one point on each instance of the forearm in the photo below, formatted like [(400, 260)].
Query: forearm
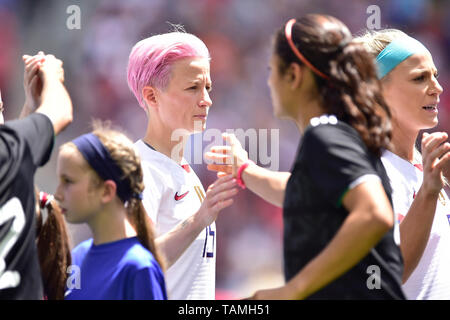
[(56, 105), (415, 230), (173, 243), (218, 197), (269, 185), (342, 253)]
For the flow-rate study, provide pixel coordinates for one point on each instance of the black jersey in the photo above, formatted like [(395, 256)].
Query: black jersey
[(331, 157), (24, 145)]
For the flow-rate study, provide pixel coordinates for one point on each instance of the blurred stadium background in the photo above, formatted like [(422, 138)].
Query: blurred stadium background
[(238, 34)]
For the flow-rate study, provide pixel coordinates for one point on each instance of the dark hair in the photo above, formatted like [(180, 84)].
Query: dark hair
[(53, 247), (352, 91)]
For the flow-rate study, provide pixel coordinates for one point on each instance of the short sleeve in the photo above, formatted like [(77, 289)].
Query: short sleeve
[(148, 284), (37, 131), (152, 192), (336, 158)]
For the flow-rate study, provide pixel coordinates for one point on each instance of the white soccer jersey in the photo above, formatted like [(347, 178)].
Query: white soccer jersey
[(431, 278), (172, 194)]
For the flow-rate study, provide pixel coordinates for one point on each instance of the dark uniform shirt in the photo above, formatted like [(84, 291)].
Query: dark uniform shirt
[(24, 145), (331, 157)]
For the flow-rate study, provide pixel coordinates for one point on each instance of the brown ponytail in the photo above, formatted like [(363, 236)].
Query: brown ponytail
[(144, 229), (354, 95), (352, 91), (53, 248)]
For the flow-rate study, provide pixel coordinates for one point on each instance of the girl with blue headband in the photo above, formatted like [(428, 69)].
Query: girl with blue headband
[(411, 89), (100, 183)]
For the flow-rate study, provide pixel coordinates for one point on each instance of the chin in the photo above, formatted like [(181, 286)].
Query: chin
[(197, 130), (73, 219), (198, 126), (281, 115), (434, 125), (277, 113), (69, 219), (431, 124)]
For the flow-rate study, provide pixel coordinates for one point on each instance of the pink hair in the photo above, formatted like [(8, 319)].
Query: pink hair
[(151, 59)]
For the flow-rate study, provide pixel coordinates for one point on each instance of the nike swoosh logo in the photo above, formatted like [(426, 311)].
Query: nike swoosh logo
[(179, 197)]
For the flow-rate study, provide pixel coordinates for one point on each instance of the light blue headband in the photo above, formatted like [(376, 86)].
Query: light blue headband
[(396, 52)]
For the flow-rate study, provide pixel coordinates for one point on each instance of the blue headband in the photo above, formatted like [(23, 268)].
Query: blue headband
[(396, 52), (100, 160)]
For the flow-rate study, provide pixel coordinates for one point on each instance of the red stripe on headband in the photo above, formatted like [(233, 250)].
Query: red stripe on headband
[(288, 32)]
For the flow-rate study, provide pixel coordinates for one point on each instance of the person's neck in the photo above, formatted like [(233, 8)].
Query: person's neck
[(110, 225), (403, 143), (307, 111), (160, 138)]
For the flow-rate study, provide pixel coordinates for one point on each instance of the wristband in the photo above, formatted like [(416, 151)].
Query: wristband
[(241, 169)]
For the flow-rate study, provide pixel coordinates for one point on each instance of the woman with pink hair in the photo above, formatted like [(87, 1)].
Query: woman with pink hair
[(170, 76)]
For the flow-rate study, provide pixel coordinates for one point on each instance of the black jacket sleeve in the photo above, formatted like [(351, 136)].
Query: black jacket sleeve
[(37, 132)]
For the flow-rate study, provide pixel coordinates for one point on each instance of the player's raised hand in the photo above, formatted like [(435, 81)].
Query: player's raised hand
[(218, 197), (32, 83), (227, 159), (52, 68), (436, 156), (55, 100)]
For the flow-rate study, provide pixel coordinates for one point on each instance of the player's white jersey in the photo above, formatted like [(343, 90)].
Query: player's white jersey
[(172, 194), (431, 278)]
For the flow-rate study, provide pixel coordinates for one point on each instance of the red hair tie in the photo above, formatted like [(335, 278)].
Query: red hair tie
[(44, 199), (288, 32)]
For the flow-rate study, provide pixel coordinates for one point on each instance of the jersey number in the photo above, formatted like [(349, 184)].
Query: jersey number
[(208, 248), (10, 210)]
